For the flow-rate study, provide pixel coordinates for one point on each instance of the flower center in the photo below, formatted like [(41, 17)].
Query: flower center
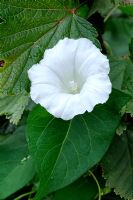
[(73, 86)]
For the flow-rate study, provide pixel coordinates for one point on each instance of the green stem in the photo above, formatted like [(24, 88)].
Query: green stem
[(23, 195), (85, 2), (110, 13), (95, 179)]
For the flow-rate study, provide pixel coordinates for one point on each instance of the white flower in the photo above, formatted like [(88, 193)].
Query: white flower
[(71, 78)]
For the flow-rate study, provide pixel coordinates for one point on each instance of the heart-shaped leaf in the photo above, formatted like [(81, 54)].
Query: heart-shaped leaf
[(64, 150)]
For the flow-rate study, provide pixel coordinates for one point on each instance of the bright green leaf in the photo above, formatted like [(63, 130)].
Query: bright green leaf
[(127, 9), (13, 106), (82, 189), (16, 169), (118, 165), (64, 150), (29, 28)]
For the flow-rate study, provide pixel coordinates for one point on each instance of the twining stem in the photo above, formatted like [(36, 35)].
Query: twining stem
[(110, 13), (95, 179), (23, 195)]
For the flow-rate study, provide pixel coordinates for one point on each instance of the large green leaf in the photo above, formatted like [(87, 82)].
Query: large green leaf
[(16, 169), (64, 150), (118, 165), (82, 189), (29, 27)]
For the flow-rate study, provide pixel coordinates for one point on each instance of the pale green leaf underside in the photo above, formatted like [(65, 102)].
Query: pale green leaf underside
[(13, 106), (118, 165), (29, 28)]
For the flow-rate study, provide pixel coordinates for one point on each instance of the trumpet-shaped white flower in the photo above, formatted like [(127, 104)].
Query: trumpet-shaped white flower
[(71, 78)]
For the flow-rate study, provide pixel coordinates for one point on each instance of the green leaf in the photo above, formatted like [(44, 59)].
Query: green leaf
[(103, 7), (64, 150), (13, 106), (121, 74), (123, 29), (129, 108), (117, 72), (121, 129), (85, 189), (16, 169), (118, 165), (37, 25)]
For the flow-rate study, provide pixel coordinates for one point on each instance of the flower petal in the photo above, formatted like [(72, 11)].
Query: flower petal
[(58, 104), (96, 90), (62, 57), (89, 60), (40, 92), (40, 74), (73, 107)]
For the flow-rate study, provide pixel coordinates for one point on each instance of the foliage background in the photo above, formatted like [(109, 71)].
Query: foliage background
[(91, 156)]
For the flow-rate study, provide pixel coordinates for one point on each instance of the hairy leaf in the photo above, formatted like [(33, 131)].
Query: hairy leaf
[(13, 106), (64, 150), (121, 74), (29, 28), (101, 6), (118, 165)]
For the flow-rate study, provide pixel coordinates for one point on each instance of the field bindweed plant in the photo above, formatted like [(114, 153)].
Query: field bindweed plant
[(66, 100)]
